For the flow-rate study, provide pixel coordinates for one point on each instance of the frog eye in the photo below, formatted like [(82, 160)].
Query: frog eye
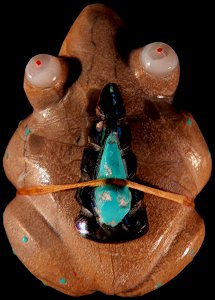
[(43, 71), (158, 59)]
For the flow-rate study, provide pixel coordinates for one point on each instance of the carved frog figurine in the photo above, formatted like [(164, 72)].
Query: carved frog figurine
[(94, 98)]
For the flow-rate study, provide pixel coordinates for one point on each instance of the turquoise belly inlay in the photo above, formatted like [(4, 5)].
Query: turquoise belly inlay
[(112, 203)]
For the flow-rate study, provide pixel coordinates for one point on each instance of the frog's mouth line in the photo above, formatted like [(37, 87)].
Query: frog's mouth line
[(41, 190)]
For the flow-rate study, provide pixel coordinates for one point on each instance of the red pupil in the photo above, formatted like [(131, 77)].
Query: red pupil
[(159, 49), (38, 62)]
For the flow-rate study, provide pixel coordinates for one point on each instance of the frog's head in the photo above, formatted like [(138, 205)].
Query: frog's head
[(92, 56)]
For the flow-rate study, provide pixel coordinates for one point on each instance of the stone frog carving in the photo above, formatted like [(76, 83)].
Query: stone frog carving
[(159, 146)]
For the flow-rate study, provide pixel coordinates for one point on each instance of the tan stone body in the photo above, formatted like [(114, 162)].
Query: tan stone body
[(47, 148)]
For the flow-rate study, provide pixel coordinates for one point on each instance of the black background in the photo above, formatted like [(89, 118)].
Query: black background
[(40, 27)]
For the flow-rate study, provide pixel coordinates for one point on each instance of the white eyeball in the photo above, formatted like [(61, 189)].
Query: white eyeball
[(158, 59), (43, 70)]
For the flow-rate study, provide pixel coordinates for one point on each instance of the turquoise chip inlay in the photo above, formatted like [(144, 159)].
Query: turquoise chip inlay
[(158, 285), (62, 281), (189, 121), (191, 252), (27, 131), (25, 239), (112, 202)]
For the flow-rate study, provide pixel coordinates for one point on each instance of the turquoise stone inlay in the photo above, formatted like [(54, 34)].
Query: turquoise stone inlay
[(189, 121), (27, 131), (62, 281), (158, 285), (191, 252), (112, 202), (25, 239)]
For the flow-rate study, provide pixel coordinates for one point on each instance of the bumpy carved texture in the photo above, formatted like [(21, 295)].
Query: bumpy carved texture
[(48, 146)]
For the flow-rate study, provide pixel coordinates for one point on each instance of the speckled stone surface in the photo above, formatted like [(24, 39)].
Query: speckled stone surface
[(47, 148)]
